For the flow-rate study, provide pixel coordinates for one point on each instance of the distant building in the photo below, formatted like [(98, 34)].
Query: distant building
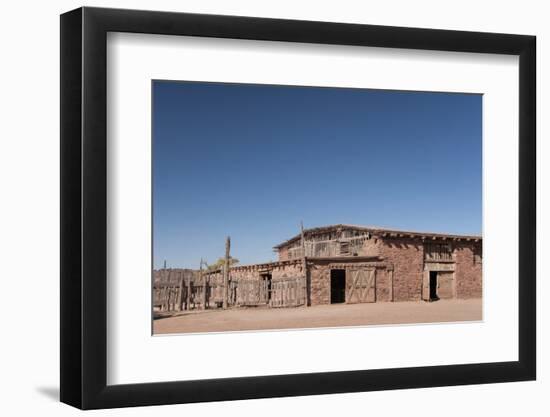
[(352, 264)]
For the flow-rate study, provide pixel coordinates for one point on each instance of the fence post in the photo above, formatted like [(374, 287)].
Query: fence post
[(180, 295), (202, 279), (188, 303), (304, 264), (226, 272)]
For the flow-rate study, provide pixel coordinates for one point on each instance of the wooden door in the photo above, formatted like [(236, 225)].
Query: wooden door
[(445, 284), (362, 286)]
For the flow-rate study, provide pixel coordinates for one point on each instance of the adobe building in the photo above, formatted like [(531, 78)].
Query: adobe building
[(366, 264), (351, 264)]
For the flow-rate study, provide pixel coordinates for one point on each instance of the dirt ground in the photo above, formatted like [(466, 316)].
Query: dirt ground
[(338, 315)]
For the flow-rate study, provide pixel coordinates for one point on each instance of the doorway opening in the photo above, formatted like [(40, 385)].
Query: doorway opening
[(267, 281), (433, 286), (337, 286)]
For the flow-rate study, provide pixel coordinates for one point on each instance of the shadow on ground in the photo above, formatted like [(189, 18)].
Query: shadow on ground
[(50, 392)]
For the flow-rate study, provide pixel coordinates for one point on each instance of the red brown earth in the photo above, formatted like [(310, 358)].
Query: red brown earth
[(262, 318)]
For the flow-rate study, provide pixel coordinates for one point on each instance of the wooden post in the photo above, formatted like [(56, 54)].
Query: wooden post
[(180, 295), (226, 272), (304, 264), (188, 302), (203, 281), (165, 297), (166, 292)]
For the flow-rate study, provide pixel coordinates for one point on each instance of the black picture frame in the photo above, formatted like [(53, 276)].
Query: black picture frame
[(84, 207)]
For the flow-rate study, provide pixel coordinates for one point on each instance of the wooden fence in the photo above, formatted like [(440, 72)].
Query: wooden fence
[(188, 295), (288, 292)]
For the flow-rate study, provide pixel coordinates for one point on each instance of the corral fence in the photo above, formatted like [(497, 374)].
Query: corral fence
[(189, 294), (186, 295), (288, 292)]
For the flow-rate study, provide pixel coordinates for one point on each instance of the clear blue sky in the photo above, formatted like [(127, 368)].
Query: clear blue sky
[(251, 161)]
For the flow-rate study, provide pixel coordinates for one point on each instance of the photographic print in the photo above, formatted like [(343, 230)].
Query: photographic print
[(290, 207), (322, 183)]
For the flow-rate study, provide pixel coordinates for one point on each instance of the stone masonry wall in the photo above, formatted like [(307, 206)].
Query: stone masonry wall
[(468, 271), (319, 276), (278, 271), (283, 271), (244, 274), (371, 247), (382, 285), (407, 257)]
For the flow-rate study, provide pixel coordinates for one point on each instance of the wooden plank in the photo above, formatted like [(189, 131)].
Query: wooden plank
[(355, 278), (370, 282)]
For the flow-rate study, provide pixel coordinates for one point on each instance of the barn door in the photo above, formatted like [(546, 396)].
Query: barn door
[(362, 286)]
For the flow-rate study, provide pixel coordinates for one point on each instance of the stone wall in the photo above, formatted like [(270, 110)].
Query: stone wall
[(320, 273), (278, 271), (244, 274), (468, 270), (319, 278), (383, 285), (371, 247), (407, 257), (287, 270)]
